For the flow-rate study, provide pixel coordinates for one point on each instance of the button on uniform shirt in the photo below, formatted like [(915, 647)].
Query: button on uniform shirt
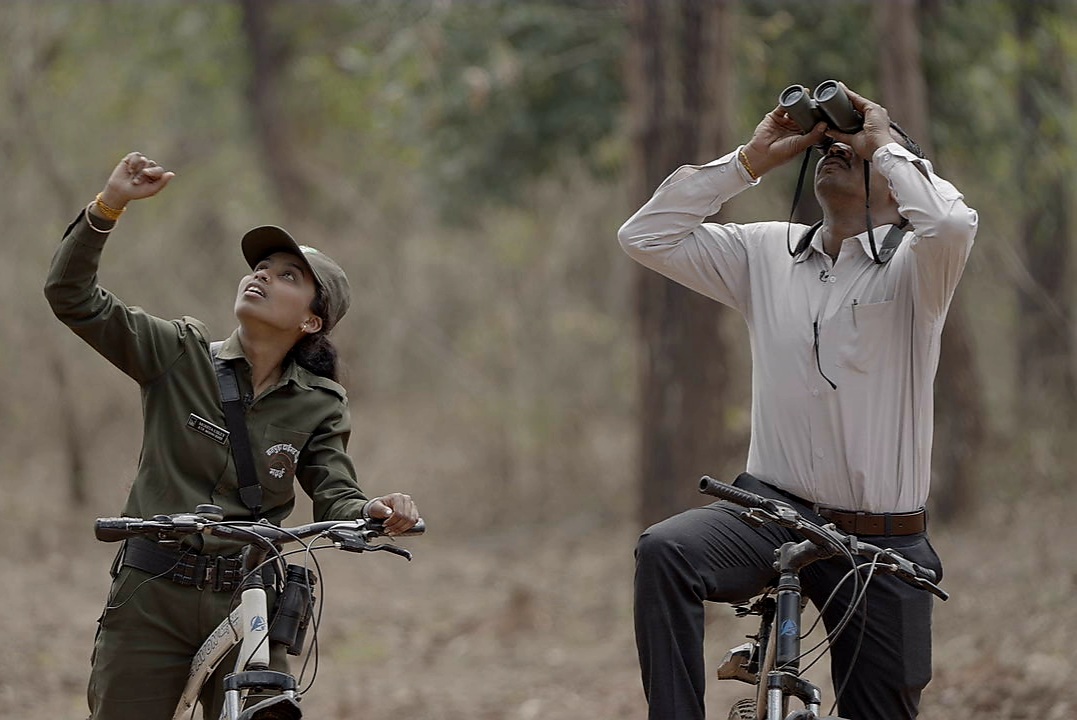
[(871, 330), (298, 428)]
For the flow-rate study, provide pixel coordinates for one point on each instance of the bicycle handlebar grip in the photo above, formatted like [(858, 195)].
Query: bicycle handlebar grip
[(710, 486), (114, 529)]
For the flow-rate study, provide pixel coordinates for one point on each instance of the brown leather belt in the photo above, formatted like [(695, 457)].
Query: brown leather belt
[(884, 524), (864, 523)]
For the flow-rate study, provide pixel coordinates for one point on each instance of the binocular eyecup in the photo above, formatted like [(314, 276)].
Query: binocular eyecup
[(830, 104)]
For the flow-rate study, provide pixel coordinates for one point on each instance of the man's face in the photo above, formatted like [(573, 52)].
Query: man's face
[(839, 178)]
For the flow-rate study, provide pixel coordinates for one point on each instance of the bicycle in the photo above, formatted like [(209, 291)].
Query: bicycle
[(250, 624), (771, 661)]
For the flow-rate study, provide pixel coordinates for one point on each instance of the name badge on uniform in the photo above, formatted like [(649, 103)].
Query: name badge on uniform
[(213, 432)]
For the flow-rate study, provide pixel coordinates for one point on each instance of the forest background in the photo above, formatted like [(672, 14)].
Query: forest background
[(540, 396)]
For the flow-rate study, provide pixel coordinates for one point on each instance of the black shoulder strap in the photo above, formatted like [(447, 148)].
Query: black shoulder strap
[(250, 492), (890, 243)]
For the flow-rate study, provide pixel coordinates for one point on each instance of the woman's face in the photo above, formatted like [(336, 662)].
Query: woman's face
[(278, 293)]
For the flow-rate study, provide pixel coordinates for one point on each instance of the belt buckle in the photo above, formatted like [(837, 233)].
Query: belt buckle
[(220, 574), (229, 573), (213, 574), (203, 572)]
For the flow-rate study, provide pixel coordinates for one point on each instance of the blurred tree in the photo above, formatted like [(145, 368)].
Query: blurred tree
[(40, 54), (959, 418), (1043, 172), (680, 85), (271, 52), (511, 90)]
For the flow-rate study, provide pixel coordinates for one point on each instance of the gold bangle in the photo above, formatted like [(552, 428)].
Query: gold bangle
[(747, 165), (109, 212), (90, 222)]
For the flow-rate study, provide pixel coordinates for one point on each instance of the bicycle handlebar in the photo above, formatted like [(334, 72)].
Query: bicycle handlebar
[(823, 535), (349, 534)]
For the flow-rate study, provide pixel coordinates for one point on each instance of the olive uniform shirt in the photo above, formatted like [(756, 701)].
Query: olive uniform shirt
[(298, 428)]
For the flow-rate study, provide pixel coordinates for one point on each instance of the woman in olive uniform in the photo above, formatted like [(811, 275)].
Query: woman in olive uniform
[(297, 419)]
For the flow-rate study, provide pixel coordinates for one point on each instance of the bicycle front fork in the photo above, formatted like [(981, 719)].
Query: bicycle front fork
[(782, 685), (283, 706)]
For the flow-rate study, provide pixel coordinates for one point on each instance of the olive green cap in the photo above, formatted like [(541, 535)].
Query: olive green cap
[(261, 242)]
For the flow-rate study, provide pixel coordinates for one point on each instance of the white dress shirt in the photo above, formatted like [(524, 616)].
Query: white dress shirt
[(872, 330)]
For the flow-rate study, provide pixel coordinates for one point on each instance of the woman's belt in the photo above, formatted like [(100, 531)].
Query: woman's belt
[(184, 567)]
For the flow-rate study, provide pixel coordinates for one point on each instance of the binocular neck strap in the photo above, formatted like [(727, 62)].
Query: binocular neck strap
[(878, 255), (802, 245)]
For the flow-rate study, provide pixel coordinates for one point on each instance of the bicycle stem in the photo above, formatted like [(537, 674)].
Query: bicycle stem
[(787, 649)]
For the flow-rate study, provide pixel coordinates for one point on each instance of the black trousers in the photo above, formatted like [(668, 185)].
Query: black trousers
[(709, 553)]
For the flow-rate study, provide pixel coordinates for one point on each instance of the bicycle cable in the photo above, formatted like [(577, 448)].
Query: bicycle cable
[(838, 690), (315, 614), (857, 594)]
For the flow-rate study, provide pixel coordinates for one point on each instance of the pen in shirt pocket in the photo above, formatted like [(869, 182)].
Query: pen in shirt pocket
[(855, 303)]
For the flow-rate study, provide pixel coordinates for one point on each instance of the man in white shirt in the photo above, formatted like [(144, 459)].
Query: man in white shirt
[(844, 333)]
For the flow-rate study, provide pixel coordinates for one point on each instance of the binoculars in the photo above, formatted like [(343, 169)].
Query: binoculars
[(830, 105)]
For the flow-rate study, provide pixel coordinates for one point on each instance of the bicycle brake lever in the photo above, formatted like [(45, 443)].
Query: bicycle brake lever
[(354, 541), (390, 549), (912, 578), (934, 589), (757, 517)]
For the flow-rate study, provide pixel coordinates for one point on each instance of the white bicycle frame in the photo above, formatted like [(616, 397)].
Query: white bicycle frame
[(249, 624)]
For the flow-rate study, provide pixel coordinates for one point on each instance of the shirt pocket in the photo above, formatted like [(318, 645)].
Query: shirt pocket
[(279, 459), (869, 333)]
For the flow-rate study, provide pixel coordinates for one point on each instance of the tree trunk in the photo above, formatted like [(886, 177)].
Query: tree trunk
[(679, 84), (268, 58), (1044, 334), (24, 78), (959, 424)]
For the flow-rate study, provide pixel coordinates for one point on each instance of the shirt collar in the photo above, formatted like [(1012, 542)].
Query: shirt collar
[(232, 349), (864, 242)]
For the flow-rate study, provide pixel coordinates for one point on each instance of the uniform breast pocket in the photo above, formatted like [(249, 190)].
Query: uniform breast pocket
[(871, 333), (281, 450)]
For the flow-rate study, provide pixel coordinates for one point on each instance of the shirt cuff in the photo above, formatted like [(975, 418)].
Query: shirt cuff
[(733, 160)]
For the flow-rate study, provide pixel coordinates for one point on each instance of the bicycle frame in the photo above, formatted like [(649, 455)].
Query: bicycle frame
[(783, 679), (772, 662), (249, 624)]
